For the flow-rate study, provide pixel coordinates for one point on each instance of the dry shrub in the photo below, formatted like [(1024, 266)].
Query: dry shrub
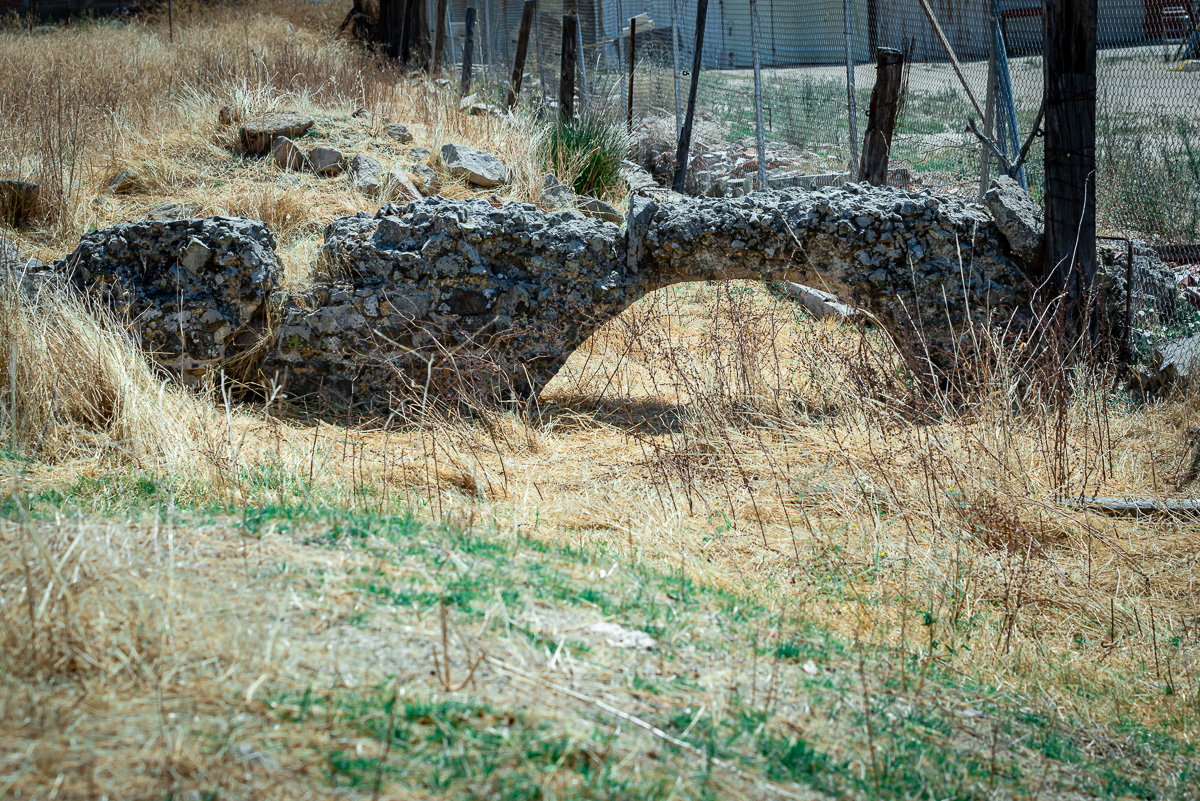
[(72, 607), (74, 382)]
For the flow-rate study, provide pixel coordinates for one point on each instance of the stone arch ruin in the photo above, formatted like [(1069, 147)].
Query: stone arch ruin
[(482, 300)]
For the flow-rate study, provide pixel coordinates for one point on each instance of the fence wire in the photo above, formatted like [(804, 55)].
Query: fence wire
[(982, 61), (1148, 115)]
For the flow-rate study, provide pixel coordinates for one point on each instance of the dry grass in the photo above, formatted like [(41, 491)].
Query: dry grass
[(709, 431)]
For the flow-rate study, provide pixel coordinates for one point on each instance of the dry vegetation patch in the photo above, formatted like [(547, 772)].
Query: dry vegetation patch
[(197, 595)]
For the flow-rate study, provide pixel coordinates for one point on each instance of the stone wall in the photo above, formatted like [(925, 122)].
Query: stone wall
[(484, 300)]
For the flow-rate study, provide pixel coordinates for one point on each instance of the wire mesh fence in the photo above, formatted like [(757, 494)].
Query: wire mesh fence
[(976, 59), (965, 59)]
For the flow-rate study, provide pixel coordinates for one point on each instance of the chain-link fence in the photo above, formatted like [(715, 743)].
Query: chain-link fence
[(981, 60), (966, 59)]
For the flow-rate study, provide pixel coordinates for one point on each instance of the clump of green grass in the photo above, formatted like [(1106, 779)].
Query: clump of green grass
[(586, 153)]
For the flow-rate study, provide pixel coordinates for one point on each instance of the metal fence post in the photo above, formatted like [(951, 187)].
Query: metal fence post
[(851, 101), (760, 137)]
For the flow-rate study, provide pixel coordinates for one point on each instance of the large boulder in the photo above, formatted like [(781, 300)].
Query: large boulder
[(257, 134), (475, 166), (195, 292)]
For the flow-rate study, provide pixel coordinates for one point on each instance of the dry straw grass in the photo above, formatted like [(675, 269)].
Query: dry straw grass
[(710, 429), (76, 386)]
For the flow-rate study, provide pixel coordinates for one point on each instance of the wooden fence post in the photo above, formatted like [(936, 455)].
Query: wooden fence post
[(1069, 61), (468, 50), (685, 137), (881, 116), (518, 72), (439, 37), (566, 76)]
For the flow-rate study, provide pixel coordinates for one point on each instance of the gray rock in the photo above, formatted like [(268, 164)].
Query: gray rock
[(257, 135), (18, 201), (12, 259), (125, 182), (368, 174), (196, 292), (477, 167), (426, 179), (170, 210), (286, 154), (10, 254), (594, 207), (1176, 362), (326, 160), (398, 186), (555, 193), (399, 132), (819, 304), (1019, 219), (420, 153), (637, 225)]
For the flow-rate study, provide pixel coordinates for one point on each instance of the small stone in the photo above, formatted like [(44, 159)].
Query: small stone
[(18, 201), (477, 167), (426, 179), (420, 153), (810, 667), (399, 132), (170, 210), (326, 160), (196, 256), (286, 154), (257, 135), (399, 186), (597, 208), (367, 173), (125, 182), (617, 636), (555, 193), (10, 255)]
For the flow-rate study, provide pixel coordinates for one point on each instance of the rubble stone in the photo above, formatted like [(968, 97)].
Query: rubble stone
[(286, 154), (195, 292), (367, 174), (1019, 219), (257, 135), (425, 178), (326, 160), (477, 167), (399, 132)]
